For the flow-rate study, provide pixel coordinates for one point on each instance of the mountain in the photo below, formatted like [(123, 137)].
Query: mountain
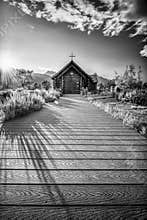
[(50, 73), (38, 77), (102, 80)]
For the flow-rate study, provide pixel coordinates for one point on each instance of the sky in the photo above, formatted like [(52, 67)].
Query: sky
[(38, 44)]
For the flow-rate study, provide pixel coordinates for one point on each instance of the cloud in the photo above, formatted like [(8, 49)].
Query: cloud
[(42, 69), (111, 16), (143, 52), (140, 29)]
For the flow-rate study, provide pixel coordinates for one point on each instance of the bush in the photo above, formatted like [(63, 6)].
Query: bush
[(20, 103), (132, 116), (142, 129), (54, 93), (140, 99), (47, 96), (135, 117)]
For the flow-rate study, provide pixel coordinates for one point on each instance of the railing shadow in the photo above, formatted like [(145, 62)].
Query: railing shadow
[(28, 137)]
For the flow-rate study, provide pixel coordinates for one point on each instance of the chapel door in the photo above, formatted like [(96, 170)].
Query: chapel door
[(71, 83)]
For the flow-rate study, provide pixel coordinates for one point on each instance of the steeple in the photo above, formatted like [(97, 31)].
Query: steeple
[(72, 56)]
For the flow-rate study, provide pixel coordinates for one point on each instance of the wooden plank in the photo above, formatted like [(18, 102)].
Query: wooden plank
[(102, 119), (102, 141), (66, 120), (15, 128), (74, 213), (52, 136), (70, 163), (95, 119), (78, 132), (70, 154), (73, 176), (18, 146), (73, 194), (69, 127), (93, 131)]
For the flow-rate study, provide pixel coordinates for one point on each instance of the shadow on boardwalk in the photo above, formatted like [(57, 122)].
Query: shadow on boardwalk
[(31, 137)]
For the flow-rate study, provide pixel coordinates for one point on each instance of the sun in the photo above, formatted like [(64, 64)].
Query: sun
[(6, 62), (7, 70)]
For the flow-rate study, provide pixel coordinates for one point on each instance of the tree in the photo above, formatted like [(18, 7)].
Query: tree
[(139, 74), (117, 78), (145, 85), (25, 76), (130, 79), (36, 86), (46, 84)]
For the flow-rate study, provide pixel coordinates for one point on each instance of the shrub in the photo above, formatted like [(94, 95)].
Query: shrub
[(47, 96), (132, 116), (54, 93), (142, 129), (21, 102)]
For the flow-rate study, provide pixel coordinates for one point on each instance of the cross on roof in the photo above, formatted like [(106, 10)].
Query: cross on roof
[(72, 56)]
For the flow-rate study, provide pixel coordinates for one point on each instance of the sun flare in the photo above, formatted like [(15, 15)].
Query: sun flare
[(7, 70), (6, 62)]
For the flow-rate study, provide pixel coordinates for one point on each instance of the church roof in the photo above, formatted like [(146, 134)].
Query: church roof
[(74, 65)]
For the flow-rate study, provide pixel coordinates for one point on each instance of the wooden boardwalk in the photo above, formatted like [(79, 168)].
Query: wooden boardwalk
[(72, 161)]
